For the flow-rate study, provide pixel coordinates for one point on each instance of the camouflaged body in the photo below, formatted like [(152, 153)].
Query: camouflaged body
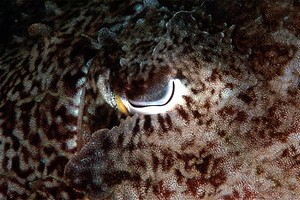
[(235, 137)]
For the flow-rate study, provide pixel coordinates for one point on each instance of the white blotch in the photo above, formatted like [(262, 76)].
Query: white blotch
[(72, 128), (45, 77), (34, 91), (139, 8), (162, 23), (14, 96), (64, 195), (123, 62), (151, 3), (77, 98), (14, 187), (27, 84), (125, 48), (222, 35), (18, 113), (71, 143), (81, 82), (32, 123), (52, 7), (73, 111), (49, 118), (39, 98), (258, 20), (86, 67), (35, 54), (226, 93), (140, 22), (58, 120)]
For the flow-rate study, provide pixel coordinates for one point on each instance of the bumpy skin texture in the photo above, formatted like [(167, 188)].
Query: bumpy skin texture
[(236, 135), (47, 107)]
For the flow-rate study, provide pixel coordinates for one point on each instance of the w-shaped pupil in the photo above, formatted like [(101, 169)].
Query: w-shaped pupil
[(157, 96)]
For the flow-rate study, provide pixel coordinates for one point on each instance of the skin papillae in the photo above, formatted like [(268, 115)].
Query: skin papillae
[(235, 136)]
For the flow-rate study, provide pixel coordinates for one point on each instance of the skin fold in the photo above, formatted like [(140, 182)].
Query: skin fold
[(234, 135)]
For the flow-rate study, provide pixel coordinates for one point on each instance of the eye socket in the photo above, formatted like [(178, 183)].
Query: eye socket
[(160, 102)]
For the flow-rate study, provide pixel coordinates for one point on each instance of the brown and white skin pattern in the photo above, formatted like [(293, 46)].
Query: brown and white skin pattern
[(47, 107), (235, 136)]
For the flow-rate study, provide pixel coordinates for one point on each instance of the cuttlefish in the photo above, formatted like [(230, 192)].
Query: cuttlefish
[(154, 100)]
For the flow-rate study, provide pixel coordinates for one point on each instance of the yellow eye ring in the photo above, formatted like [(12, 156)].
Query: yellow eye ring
[(120, 105)]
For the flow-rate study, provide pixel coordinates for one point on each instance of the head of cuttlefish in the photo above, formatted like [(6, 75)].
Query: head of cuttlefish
[(208, 118)]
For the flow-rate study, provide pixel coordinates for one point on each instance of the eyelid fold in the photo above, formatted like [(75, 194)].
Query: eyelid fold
[(176, 90)]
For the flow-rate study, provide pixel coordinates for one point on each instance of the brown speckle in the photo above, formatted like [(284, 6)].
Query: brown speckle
[(244, 97)]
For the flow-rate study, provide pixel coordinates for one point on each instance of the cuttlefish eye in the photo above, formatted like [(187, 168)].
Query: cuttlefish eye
[(155, 103)]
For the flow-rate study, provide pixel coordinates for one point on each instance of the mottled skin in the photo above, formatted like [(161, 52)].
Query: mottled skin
[(43, 90), (236, 136)]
